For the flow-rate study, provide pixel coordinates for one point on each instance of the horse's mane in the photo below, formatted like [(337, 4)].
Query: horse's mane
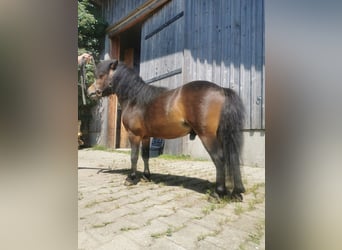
[(130, 86)]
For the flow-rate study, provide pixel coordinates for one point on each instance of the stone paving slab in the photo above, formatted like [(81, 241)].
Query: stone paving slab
[(173, 211)]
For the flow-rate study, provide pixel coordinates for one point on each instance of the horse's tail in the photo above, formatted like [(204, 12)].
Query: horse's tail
[(230, 134)]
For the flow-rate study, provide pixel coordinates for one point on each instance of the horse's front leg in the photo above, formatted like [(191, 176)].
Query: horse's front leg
[(145, 153), (135, 144)]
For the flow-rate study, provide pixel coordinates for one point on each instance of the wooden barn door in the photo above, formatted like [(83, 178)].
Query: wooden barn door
[(126, 44), (113, 101), (125, 47), (162, 46), (161, 58), (128, 60)]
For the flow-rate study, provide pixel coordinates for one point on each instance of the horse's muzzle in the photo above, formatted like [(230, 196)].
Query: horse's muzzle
[(93, 93)]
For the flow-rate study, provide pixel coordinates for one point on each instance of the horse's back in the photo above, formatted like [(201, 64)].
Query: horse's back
[(199, 85)]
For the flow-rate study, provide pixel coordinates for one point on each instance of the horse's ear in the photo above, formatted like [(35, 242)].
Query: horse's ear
[(114, 64)]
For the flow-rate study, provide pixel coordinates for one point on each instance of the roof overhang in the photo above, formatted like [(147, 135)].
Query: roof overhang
[(135, 17)]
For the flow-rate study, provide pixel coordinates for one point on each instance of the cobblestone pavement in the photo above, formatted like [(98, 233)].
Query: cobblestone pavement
[(173, 211)]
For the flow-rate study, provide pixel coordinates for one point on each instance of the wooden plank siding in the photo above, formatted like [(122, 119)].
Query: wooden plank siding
[(185, 40), (225, 40), (161, 59), (115, 10), (162, 45)]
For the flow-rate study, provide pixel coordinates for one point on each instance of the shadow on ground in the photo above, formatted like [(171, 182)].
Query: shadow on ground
[(192, 183)]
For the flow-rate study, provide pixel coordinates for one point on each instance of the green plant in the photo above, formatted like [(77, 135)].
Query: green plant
[(91, 28), (91, 35)]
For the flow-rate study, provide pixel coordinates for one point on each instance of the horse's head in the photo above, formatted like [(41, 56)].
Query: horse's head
[(104, 79)]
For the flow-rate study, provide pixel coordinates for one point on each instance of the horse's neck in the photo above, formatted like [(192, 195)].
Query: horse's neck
[(123, 103)]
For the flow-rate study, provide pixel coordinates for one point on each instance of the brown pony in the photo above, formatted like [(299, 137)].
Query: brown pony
[(200, 108)]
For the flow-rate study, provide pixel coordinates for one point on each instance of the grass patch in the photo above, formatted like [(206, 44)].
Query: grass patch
[(148, 222), (254, 189), (207, 209), (197, 217), (214, 204), (180, 157), (104, 148), (175, 157), (224, 221), (254, 237), (211, 207), (100, 147), (157, 235), (257, 196), (212, 234), (163, 156), (80, 196), (251, 205), (100, 212), (101, 225), (131, 213), (169, 231), (238, 209), (125, 229), (91, 204)]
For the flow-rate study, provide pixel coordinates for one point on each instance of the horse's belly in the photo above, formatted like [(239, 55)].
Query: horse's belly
[(169, 130)]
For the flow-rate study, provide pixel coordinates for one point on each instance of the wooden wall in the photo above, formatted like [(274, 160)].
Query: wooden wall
[(216, 40), (162, 45), (224, 43), (115, 10)]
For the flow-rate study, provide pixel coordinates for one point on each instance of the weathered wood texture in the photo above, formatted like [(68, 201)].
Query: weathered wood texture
[(220, 41), (224, 43), (162, 44), (115, 10), (161, 58), (217, 40)]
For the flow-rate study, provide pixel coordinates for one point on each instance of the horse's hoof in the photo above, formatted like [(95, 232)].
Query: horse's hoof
[(130, 181), (236, 197), (146, 178), (215, 196), (221, 192)]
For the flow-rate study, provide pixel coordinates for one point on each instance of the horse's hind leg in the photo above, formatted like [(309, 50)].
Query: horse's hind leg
[(135, 144), (236, 176), (145, 153), (215, 151)]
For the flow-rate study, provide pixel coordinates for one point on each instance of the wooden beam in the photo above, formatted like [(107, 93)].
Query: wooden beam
[(112, 99), (136, 16), (129, 62), (112, 107), (164, 25)]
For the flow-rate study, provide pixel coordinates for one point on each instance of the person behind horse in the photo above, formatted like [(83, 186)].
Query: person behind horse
[(85, 57)]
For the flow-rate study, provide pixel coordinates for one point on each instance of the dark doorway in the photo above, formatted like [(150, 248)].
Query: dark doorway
[(129, 49), (130, 41)]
